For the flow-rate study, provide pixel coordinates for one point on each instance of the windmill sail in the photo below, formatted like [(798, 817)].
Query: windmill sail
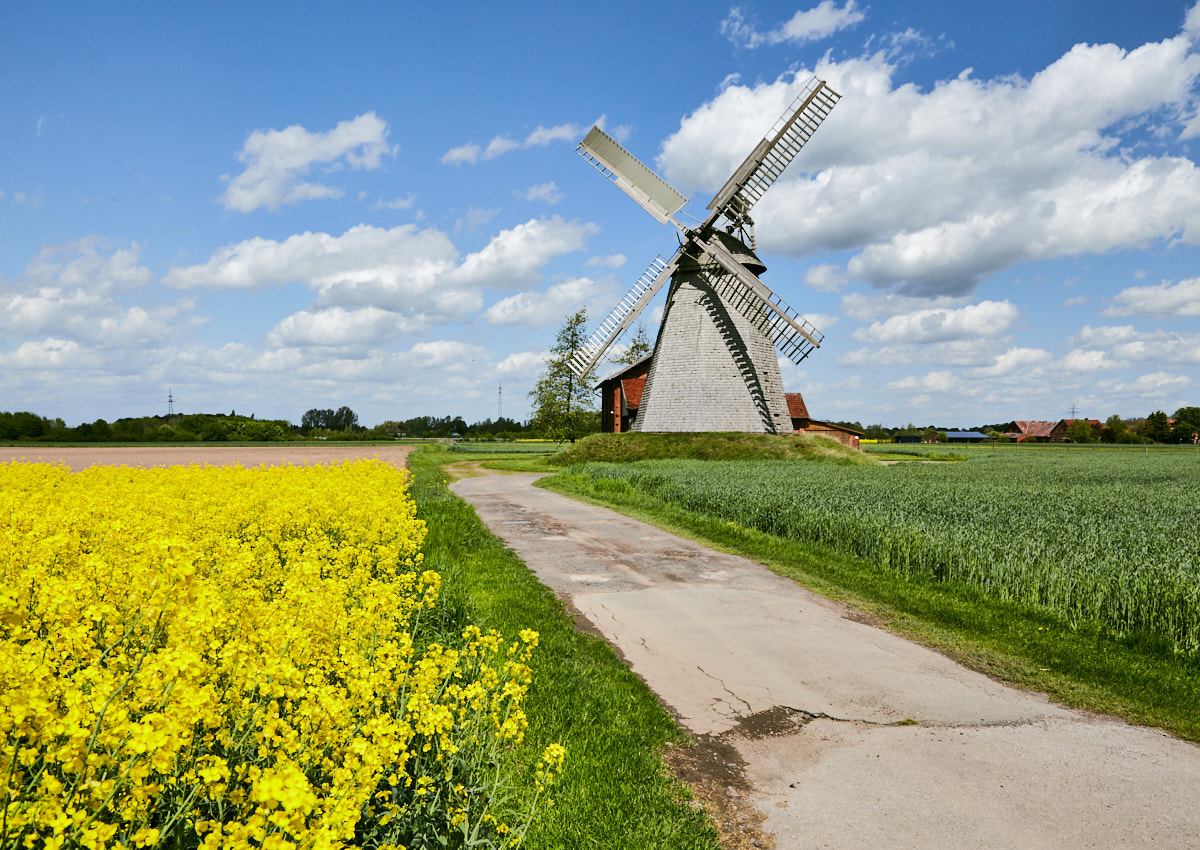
[(772, 155), (793, 335), (622, 316), (655, 195)]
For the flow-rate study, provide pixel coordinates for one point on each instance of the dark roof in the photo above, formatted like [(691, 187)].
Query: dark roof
[(965, 435), (797, 409)]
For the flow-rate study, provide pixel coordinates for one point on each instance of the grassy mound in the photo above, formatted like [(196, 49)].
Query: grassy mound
[(632, 446)]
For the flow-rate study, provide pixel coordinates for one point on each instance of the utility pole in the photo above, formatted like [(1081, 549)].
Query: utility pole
[(500, 402), (170, 403)]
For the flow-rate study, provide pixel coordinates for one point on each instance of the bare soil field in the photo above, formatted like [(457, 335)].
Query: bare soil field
[(78, 458)]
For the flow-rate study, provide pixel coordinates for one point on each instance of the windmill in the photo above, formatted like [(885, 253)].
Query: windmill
[(714, 366)]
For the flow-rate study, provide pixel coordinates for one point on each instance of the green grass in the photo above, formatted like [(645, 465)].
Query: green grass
[(634, 446), (1078, 663), (615, 792)]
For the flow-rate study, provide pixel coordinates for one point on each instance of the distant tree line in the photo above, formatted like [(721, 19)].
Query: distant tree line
[(1158, 427), (342, 424), (324, 424), (197, 427)]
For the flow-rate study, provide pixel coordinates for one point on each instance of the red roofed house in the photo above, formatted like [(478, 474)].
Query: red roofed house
[(1036, 431), (801, 421), (621, 395)]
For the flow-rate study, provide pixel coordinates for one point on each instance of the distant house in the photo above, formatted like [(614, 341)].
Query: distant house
[(801, 421), (965, 436), (1041, 431)]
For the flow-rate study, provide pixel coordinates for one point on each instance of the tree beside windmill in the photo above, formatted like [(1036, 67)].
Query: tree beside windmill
[(713, 366)]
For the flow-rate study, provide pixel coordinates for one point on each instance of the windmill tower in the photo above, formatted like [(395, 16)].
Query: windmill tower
[(714, 366)]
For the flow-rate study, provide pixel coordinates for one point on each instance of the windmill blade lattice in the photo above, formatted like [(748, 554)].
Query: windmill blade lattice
[(793, 335), (622, 316), (772, 155)]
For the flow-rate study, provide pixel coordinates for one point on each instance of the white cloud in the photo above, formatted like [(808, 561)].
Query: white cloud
[(1129, 345), (468, 153), (1155, 385), (90, 263), (1164, 301), (1018, 362), (471, 153), (988, 318), (943, 381), (1054, 164), (416, 274), (403, 203), (276, 160), (826, 278), (807, 25), (865, 308), (1191, 23), (537, 309), (1093, 360), (336, 327), (547, 192), (522, 363), (977, 353), (513, 256), (612, 261), (444, 352), (50, 352)]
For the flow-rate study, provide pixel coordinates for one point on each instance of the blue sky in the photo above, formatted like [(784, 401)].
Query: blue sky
[(274, 207)]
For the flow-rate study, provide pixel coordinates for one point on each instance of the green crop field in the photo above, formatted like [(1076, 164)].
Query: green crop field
[(1111, 538)]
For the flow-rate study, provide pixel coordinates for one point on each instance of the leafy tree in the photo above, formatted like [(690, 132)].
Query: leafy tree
[(1187, 424), (1115, 429), (563, 404), (342, 419), (1080, 431), (1157, 427), (638, 348)]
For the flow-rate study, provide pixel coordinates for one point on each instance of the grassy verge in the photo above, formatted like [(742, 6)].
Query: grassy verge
[(634, 445), (615, 792), (1076, 664)]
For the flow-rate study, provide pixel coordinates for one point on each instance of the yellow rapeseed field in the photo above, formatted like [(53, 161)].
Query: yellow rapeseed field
[(228, 657)]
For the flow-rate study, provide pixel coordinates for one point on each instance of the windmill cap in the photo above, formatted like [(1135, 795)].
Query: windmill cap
[(739, 249)]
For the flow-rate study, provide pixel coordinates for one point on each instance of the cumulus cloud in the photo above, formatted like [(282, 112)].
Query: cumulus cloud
[(336, 327), (1155, 385), (1164, 301), (1071, 161), (277, 160), (74, 291), (988, 318), (1129, 345), (91, 263), (547, 192), (537, 309), (1018, 362), (471, 153), (943, 381), (612, 261), (1093, 360), (821, 21), (417, 275), (826, 278)]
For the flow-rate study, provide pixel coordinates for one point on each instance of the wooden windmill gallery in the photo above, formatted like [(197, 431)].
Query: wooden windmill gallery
[(713, 367)]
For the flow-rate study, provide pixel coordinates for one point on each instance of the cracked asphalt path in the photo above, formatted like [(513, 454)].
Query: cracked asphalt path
[(889, 744)]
